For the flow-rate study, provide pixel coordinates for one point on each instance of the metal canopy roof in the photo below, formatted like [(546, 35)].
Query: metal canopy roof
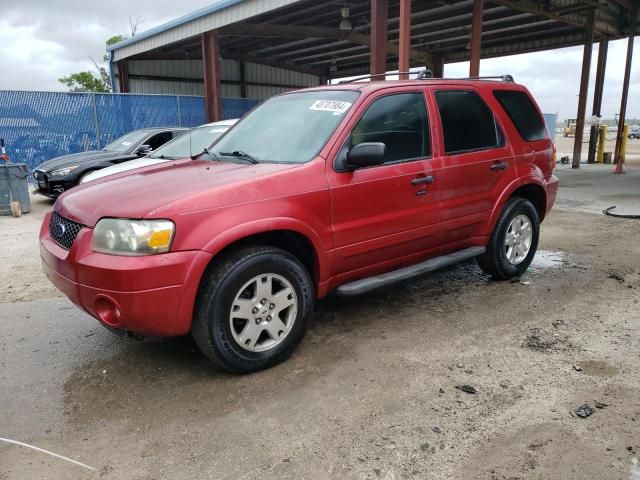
[(303, 35)]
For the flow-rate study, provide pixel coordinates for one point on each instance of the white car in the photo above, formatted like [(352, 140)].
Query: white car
[(191, 143)]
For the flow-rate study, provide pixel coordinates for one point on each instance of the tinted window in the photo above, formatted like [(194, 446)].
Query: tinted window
[(523, 113), (467, 122), (400, 122), (159, 139)]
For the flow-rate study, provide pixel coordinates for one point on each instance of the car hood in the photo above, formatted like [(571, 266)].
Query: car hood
[(76, 158), (122, 167), (166, 190)]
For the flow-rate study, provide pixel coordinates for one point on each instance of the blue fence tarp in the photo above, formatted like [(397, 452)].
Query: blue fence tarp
[(38, 126)]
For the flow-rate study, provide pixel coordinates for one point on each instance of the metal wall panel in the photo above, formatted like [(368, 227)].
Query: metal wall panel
[(231, 14), (174, 70)]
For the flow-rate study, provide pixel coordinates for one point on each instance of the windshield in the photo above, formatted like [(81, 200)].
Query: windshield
[(191, 143), (125, 142), (290, 128)]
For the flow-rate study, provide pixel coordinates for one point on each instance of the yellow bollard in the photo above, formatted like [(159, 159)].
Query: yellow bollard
[(623, 142), (601, 142)]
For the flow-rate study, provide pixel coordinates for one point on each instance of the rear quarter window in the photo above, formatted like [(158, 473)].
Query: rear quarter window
[(523, 113), (468, 124)]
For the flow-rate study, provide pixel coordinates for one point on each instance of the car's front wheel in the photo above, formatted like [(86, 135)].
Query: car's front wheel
[(514, 240), (253, 309)]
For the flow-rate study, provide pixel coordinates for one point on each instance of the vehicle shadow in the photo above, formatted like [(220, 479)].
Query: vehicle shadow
[(170, 372)]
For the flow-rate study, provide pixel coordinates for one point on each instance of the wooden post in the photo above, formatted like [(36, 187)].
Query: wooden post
[(378, 41), (476, 38), (584, 87), (633, 14), (405, 38), (603, 47), (211, 70)]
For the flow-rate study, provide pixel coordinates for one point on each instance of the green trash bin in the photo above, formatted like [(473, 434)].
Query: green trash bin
[(14, 189)]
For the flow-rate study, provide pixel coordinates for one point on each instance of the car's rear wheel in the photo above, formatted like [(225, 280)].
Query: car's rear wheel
[(253, 309), (514, 240)]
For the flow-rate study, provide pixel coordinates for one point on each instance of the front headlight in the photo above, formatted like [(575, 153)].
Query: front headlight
[(62, 172), (121, 236)]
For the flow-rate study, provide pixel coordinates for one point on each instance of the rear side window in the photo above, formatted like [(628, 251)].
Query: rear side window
[(523, 113), (400, 122), (468, 123)]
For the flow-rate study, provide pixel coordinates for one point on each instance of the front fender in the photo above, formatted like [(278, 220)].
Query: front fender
[(256, 227)]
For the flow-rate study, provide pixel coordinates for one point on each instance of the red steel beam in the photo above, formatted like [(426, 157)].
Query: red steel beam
[(405, 38), (584, 87), (211, 70), (378, 41), (633, 18), (476, 38)]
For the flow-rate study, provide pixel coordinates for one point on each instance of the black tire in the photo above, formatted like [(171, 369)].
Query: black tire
[(221, 283), (494, 261)]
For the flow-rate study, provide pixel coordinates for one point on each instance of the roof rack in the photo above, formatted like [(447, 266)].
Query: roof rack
[(504, 78), (427, 74)]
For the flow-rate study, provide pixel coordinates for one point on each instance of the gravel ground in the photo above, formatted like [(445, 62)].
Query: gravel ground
[(371, 393)]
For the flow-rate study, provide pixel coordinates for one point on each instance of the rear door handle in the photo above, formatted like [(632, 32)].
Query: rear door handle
[(499, 166), (422, 180)]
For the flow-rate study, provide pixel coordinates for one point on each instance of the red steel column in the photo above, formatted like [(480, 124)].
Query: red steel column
[(405, 38), (633, 14), (123, 76), (211, 70), (378, 41), (584, 88), (603, 47), (476, 38)]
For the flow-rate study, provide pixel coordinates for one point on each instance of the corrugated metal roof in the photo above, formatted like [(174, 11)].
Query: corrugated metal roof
[(216, 15), (214, 7)]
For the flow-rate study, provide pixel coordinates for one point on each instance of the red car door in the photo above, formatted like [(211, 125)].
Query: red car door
[(477, 161), (386, 213)]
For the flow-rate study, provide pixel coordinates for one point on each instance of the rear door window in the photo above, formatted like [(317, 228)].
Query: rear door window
[(400, 122), (159, 139), (523, 113), (468, 124)]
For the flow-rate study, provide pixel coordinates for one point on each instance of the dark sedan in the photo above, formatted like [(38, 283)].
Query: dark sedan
[(59, 174)]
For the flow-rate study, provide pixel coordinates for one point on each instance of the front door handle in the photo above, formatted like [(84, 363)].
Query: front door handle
[(499, 166), (422, 180)]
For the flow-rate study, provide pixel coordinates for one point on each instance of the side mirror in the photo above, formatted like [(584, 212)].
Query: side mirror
[(144, 150), (367, 154)]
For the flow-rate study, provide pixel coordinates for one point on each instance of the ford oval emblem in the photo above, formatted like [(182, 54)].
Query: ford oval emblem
[(59, 230)]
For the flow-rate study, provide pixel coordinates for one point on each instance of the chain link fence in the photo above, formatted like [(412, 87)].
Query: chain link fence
[(38, 126)]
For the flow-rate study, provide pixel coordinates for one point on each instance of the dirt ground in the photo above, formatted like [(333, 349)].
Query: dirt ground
[(370, 393)]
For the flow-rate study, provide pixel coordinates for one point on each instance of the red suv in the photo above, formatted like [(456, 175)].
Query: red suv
[(349, 187)]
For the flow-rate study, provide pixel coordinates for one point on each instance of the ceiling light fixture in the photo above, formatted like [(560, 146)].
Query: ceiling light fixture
[(345, 23)]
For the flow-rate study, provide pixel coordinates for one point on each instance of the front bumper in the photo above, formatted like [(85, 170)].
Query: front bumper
[(52, 188), (150, 295)]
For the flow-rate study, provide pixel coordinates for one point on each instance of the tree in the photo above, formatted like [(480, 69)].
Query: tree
[(88, 81), (85, 82)]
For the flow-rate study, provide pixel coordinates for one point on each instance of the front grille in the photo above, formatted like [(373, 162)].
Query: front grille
[(63, 231)]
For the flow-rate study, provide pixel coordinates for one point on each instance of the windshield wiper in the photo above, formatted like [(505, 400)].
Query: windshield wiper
[(240, 154), (203, 152)]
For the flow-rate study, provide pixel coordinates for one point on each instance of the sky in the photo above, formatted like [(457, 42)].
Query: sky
[(41, 41)]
